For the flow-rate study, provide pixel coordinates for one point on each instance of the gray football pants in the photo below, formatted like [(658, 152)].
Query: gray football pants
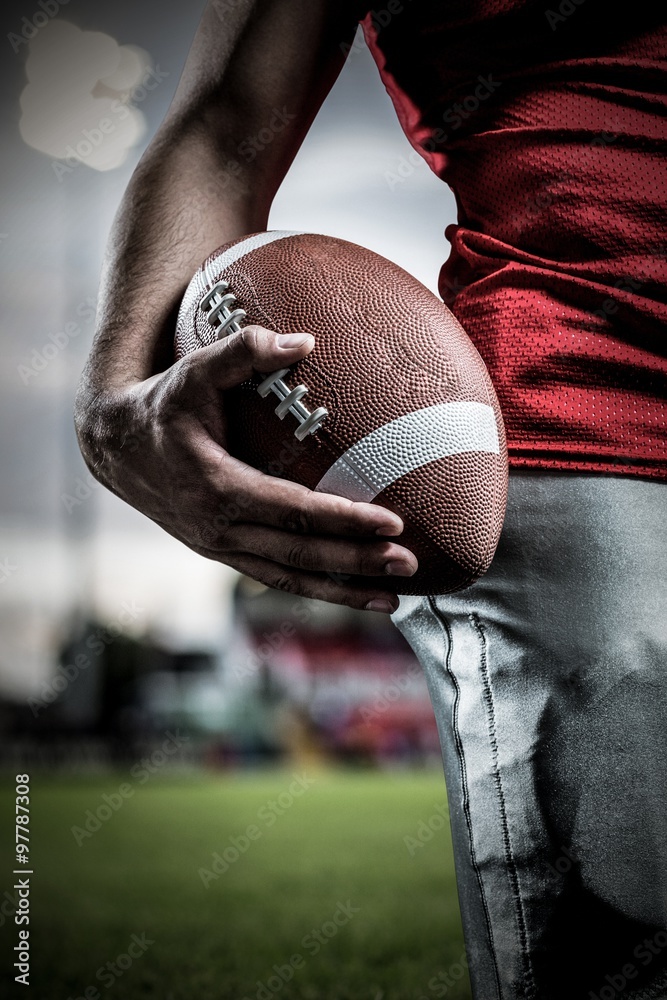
[(548, 678)]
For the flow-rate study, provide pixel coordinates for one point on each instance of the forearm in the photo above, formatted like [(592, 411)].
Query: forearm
[(179, 206)]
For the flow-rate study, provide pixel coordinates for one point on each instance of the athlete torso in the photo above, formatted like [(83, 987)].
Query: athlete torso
[(550, 125)]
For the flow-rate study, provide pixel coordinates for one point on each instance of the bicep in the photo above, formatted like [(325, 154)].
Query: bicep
[(255, 77)]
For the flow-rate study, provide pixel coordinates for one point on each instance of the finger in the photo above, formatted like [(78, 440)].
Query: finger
[(318, 554), (280, 503), (315, 585), (232, 360)]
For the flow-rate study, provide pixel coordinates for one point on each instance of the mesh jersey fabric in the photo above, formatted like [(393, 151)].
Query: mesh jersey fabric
[(550, 126)]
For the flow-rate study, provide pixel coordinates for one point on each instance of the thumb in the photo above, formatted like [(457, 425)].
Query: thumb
[(232, 360)]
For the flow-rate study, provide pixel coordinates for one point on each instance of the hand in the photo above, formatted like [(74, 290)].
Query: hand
[(159, 445)]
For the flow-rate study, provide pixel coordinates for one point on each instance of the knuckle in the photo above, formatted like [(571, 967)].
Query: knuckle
[(297, 554), (288, 583), (205, 537), (249, 339), (298, 520)]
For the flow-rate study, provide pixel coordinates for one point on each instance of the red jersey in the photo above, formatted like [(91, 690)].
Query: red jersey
[(550, 126)]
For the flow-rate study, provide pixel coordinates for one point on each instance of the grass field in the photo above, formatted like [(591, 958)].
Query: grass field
[(319, 882)]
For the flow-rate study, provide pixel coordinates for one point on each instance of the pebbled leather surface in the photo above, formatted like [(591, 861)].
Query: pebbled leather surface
[(408, 443), (385, 346)]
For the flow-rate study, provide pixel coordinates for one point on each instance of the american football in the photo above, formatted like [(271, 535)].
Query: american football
[(394, 405)]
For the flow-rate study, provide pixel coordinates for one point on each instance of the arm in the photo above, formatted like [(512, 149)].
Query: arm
[(151, 430)]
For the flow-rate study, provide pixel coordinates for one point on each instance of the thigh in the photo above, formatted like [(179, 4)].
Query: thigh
[(549, 683)]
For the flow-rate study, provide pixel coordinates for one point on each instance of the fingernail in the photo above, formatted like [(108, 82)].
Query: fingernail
[(377, 604), (288, 341), (397, 567)]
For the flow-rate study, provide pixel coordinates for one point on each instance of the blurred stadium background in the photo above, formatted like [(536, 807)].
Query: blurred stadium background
[(114, 637)]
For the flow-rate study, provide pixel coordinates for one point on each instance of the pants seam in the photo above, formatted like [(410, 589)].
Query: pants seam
[(464, 784), (497, 778)]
